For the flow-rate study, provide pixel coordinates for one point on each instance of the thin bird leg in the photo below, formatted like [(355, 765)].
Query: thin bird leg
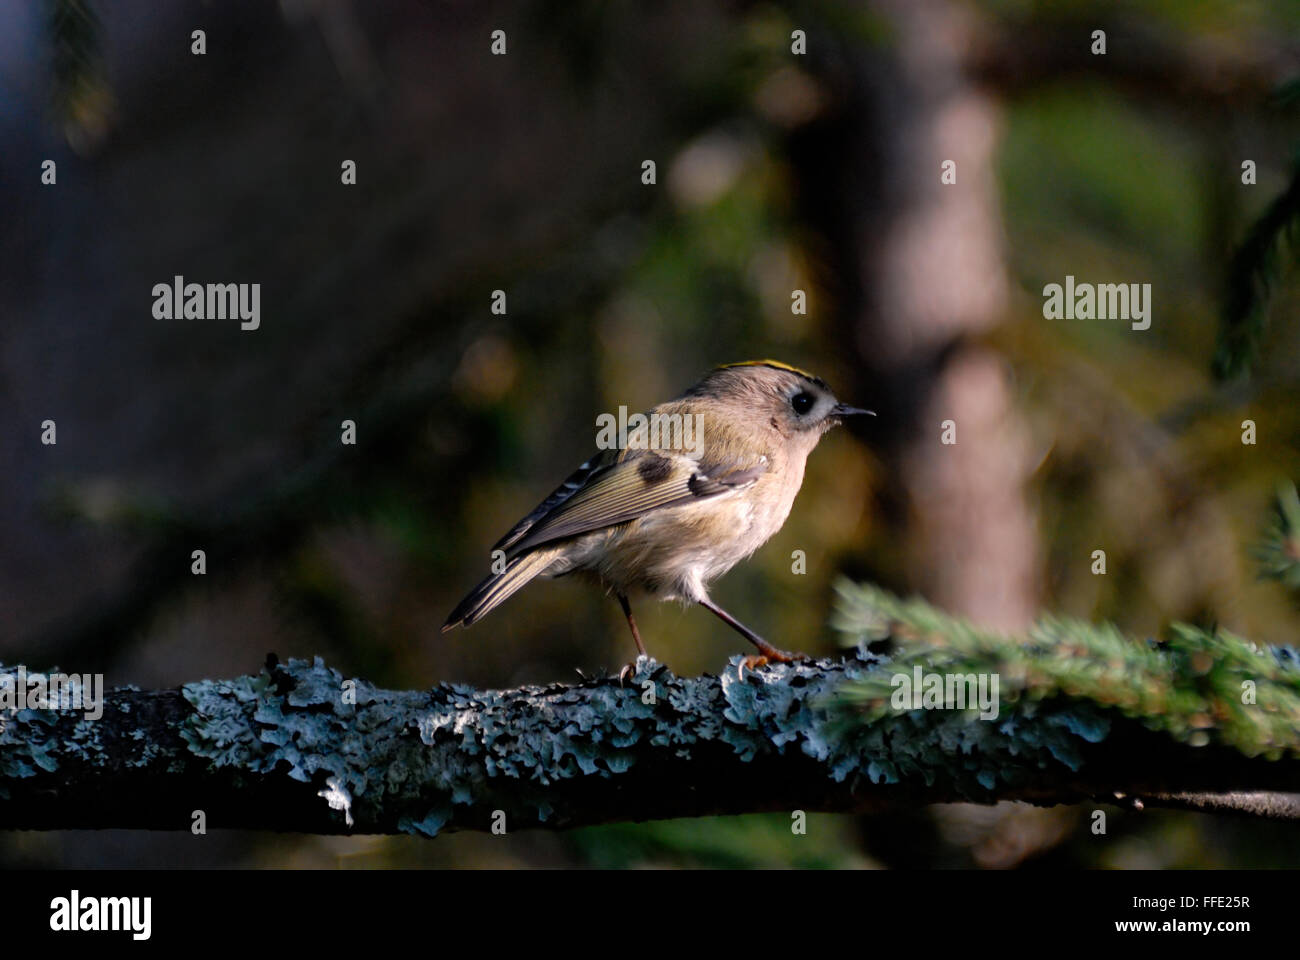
[(764, 648), (636, 634)]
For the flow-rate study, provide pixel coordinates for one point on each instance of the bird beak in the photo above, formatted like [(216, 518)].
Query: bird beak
[(844, 410)]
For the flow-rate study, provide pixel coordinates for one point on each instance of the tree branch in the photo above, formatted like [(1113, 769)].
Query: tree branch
[(1019, 56), (299, 748)]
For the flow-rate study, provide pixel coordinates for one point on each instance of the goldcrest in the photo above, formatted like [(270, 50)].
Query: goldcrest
[(684, 493)]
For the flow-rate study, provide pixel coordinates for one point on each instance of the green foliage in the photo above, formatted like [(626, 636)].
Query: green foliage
[(81, 99), (1190, 686), (1279, 553), (1252, 273)]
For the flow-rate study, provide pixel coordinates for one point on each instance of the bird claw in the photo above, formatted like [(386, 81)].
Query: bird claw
[(753, 662), (769, 655)]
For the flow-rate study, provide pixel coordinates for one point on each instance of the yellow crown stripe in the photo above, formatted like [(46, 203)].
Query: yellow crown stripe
[(775, 364)]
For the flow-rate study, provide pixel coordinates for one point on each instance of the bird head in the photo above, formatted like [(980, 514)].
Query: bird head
[(775, 395)]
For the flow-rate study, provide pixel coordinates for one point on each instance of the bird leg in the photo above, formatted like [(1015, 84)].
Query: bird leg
[(636, 635), (766, 652)]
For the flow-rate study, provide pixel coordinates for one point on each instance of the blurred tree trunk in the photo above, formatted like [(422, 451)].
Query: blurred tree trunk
[(915, 267)]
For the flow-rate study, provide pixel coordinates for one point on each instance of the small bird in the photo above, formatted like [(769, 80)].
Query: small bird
[(694, 487)]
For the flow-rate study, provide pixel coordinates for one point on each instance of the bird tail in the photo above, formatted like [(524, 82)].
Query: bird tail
[(497, 588)]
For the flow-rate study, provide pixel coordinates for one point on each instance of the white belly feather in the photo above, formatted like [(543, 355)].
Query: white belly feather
[(674, 553)]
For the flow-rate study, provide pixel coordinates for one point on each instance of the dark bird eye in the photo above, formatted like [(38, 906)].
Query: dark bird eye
[(802, 402)]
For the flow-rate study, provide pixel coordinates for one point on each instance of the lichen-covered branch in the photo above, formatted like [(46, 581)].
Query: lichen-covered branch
[(301, 748)]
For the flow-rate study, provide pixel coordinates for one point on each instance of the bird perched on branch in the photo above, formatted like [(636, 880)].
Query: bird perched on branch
[(694, 487)]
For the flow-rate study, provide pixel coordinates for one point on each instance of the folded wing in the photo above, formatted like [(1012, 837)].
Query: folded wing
[(625, 487)]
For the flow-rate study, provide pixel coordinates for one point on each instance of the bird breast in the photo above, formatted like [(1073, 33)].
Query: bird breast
[(673, 553)]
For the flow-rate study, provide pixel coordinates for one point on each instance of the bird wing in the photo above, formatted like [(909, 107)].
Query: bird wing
[(626, 486), (574, 482)]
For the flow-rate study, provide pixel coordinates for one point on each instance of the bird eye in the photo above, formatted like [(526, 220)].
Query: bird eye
[(802, 402)]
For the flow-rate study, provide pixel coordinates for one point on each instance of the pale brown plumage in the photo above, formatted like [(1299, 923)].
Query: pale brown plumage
[(664, 519)]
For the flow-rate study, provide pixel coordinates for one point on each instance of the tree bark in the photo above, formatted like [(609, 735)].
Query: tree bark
[(300, 748)]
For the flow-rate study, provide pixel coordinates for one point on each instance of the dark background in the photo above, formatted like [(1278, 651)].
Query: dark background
[(523, 173)]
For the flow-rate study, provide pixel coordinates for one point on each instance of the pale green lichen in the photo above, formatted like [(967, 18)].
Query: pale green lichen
[(426, 761), (462, 752), (34, 741)]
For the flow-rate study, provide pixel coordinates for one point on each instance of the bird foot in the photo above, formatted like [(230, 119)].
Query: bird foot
[(770, 654), (629, 669)]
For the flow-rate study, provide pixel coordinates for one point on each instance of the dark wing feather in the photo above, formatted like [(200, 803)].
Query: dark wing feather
[(626, 489), (593, 467)]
